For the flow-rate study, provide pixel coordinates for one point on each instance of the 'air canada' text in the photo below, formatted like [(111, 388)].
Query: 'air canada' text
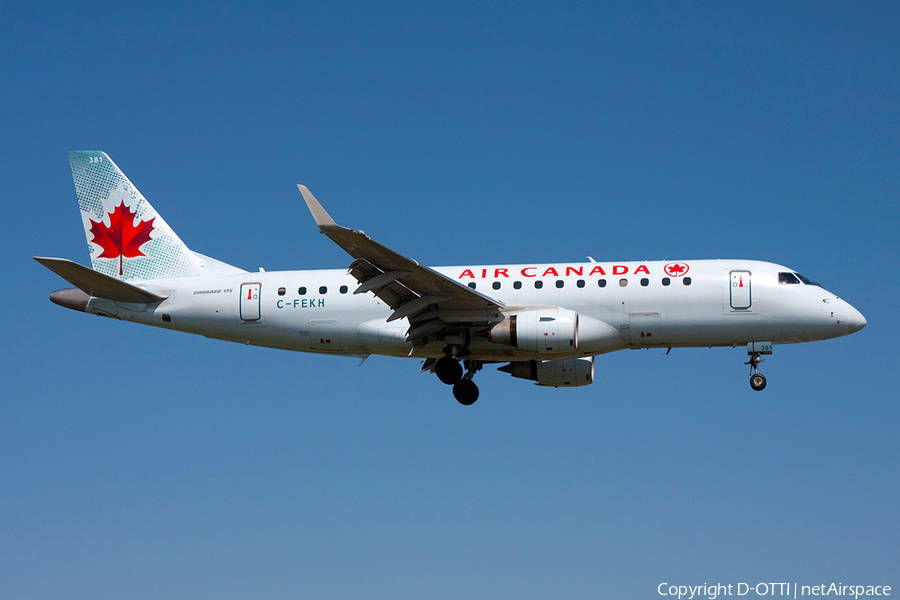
[(555, 271)]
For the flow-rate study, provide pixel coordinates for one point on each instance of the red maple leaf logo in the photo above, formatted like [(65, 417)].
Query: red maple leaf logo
[(676, 269), (122, 238)]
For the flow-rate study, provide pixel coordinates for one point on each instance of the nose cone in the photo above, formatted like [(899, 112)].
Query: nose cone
[(855, 320), (848, 319)]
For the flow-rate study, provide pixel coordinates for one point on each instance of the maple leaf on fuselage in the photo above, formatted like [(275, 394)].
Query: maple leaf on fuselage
[(122, 238)]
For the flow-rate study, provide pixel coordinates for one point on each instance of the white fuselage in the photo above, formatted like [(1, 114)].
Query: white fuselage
[(641, 304)]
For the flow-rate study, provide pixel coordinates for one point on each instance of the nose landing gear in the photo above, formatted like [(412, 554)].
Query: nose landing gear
[(758, 381), (755, 350)]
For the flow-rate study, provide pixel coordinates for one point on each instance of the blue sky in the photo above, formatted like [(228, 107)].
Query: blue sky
[(143, 463)]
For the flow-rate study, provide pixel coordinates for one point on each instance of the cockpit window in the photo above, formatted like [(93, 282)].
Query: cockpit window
[(787, 278), (807, 280)]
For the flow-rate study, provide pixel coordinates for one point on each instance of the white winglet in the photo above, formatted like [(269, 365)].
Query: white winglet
[(323, 219)]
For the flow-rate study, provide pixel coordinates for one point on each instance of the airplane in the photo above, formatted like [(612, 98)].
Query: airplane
[(542, 322)]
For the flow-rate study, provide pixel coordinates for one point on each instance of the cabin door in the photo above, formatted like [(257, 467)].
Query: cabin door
[(740, 290)]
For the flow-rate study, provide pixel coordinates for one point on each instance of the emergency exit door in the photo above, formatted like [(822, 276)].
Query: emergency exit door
[(741, 298)]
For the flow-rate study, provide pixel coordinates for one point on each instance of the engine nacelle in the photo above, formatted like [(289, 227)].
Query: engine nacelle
[(544, 331), (573, 372), (555, 331)]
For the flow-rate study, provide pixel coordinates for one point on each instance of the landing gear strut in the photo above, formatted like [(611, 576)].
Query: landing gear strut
[(450, 371), (465, 391), (755, 350)]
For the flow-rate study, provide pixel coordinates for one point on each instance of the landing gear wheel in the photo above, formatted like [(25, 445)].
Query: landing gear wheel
[(758, 381), (465, 391), (448, 370)]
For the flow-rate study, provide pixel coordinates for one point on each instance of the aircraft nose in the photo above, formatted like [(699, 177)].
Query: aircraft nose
[(856, 320), (850, 319)]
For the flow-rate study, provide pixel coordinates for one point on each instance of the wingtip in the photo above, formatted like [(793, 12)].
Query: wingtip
[(323, 219), (47, 260)]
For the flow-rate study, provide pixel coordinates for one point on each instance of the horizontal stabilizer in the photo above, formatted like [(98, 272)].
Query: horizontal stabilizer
[(97, 284)]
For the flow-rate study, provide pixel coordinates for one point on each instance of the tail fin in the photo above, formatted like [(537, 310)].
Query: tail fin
[(126, 237)]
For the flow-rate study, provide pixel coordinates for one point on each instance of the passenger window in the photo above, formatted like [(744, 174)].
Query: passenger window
[(302, 291), (496, 285), (601, 282), (785, 278), (686, 281), (538, 284), (645, 282), (472, 284), (666, 281), (517, 285), (560, 283), (281, 291), (323, 290), (623, 282), (343, 289), (580, 283)]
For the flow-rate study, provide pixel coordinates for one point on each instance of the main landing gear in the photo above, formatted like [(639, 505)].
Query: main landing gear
[(755, 350), (450, 371)]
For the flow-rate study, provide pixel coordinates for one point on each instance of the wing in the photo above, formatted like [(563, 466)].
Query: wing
[(434, 304)]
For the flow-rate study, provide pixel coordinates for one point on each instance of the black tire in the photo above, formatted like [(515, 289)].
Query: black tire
[(466, 392), (448, 370), (758, 381)]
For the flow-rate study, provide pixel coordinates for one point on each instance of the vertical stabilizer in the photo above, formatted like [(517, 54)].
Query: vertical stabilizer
[(127, 239)]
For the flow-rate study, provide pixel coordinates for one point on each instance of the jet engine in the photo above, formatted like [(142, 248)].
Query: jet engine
[(555, 331), (545, 331), (573, 372)]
